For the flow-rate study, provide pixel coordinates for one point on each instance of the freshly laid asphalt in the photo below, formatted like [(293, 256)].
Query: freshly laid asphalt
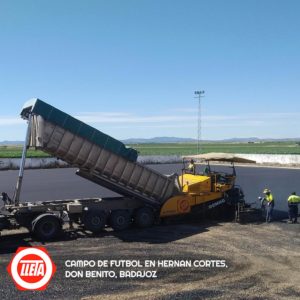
[(251, 251), (52, 184)]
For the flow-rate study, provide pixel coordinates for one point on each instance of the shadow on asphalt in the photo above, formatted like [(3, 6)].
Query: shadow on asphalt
[(257, 216), (10, 243), (158, 234), (166, 232)]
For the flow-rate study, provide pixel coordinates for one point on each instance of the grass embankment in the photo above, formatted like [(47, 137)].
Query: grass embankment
[(182, 149)]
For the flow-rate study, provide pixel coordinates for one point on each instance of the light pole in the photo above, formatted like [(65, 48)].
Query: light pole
[(199, 94)]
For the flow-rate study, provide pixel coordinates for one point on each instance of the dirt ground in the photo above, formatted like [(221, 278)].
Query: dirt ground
[(263, 262)]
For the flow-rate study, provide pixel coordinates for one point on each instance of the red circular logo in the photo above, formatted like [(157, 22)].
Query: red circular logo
[(184, 205), (31, 268)]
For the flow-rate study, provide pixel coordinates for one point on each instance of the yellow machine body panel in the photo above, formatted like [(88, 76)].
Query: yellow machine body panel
[(177, 205), (182, 204), (195, 183), (196, 190)]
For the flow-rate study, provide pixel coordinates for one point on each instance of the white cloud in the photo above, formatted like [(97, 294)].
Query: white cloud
[(184, 110), (190, 125), (6, 121), (250, 119), (171, 120), (175, 124), (131, 118)]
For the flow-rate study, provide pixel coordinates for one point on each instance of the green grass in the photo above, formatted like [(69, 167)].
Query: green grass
[(16, 152), (182, 149), (191, 148)]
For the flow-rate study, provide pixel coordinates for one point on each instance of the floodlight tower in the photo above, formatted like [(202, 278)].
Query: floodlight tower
[(199, 94)]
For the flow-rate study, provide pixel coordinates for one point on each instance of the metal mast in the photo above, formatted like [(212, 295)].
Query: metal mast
[(199, 94)]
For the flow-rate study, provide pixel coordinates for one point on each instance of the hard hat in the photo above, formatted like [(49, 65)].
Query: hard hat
[(266, 191)]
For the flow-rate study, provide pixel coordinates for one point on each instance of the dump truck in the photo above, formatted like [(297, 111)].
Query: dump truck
[(146, 196)]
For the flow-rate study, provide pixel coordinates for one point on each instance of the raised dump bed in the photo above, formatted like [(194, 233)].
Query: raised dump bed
[(99, 157)]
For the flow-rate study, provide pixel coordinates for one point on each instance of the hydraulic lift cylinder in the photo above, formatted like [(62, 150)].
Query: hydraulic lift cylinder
[(16, 198)]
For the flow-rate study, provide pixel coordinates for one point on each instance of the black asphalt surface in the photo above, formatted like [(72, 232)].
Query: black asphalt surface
[(52, 184), (182, 240)]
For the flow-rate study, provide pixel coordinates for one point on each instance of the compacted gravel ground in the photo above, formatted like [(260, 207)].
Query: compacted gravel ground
[(263, 262)]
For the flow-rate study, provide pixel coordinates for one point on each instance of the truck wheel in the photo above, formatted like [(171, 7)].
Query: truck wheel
[(144, 217), (94, 221), (46, 227), (120, 220)]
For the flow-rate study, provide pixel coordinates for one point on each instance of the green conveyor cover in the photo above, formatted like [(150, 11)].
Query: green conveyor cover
[(60, 118)]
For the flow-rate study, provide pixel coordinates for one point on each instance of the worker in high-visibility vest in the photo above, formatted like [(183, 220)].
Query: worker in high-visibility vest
[(191, 167), (293, 201), (269, 199)]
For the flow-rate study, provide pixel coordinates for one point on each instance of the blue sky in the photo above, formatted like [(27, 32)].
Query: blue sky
[(130, 68)]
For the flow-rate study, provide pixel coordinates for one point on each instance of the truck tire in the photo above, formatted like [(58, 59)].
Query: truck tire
[(95, 220), (46, 227), (120, 219), (144, 217)]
